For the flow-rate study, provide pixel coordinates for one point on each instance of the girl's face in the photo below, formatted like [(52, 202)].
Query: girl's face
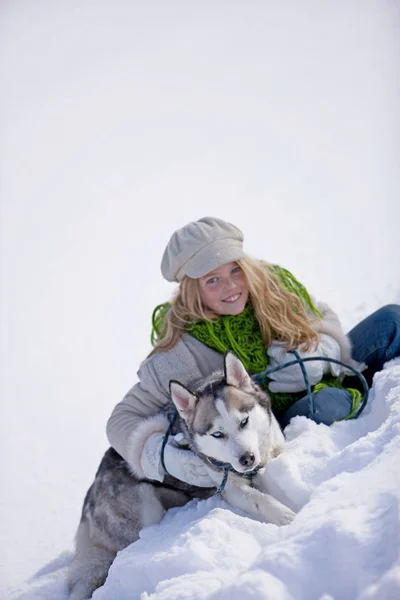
[(224, 290)]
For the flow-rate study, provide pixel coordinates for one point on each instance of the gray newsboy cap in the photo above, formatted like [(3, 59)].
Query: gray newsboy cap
[(200, 247)]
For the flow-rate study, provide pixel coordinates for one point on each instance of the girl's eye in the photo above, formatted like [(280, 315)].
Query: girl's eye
[(244, 422), (211, 280), (236, 269), (218, 434)]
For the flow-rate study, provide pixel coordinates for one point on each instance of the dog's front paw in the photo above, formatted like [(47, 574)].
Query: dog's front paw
[(282, 516), (276, 451)]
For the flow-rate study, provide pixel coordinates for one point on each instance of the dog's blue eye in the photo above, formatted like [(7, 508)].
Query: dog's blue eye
[(244, 422), (218, 434)]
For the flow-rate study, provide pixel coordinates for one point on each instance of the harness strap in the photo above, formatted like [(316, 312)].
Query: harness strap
[(172, 418), (227, 468), (264, 375), (222, 485)]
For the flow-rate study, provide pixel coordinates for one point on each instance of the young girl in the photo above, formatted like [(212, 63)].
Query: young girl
[(229, 301)]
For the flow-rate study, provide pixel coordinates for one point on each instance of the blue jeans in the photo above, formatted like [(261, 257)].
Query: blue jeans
[(374, 341)]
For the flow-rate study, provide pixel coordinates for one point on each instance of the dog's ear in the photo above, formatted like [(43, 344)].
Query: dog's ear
[(183, 398), (235, 373)]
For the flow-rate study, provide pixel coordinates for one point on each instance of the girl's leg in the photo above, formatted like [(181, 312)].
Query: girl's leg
[(330, 405), (377, 339)]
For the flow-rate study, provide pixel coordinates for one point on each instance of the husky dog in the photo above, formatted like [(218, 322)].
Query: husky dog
[(227, 420)]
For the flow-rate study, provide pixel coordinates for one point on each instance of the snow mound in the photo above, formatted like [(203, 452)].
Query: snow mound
[(344, 482)]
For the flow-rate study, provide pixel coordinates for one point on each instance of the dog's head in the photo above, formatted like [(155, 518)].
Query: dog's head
[(228, 417)]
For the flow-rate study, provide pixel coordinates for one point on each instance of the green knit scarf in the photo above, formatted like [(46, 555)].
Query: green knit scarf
[(239, 333)]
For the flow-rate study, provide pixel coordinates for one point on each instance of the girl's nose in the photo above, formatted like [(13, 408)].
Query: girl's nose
[(228, 284)]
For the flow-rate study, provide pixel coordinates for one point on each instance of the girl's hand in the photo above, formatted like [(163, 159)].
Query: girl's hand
[(185, 465), (290, 379)]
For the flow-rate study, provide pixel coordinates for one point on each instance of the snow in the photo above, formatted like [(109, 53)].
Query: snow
[(344, 483), (119, 123)]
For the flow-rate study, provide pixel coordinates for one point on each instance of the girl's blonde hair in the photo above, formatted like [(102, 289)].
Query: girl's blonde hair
[(280, 313)]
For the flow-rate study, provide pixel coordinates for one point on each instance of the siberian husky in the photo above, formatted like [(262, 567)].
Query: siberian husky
[(227, 420)]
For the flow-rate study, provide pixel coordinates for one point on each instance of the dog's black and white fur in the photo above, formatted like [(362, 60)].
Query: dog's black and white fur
[(226, 417)]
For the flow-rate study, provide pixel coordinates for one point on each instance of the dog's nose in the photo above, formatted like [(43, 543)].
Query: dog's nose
[(247, 460)]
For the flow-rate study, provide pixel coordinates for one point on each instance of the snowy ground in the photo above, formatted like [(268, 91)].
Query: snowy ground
[(121, 121), (343, 480)]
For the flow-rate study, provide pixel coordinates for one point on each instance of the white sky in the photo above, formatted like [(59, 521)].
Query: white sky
[(121, 122)]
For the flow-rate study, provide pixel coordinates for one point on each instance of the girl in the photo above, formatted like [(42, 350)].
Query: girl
[(226, 300)]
